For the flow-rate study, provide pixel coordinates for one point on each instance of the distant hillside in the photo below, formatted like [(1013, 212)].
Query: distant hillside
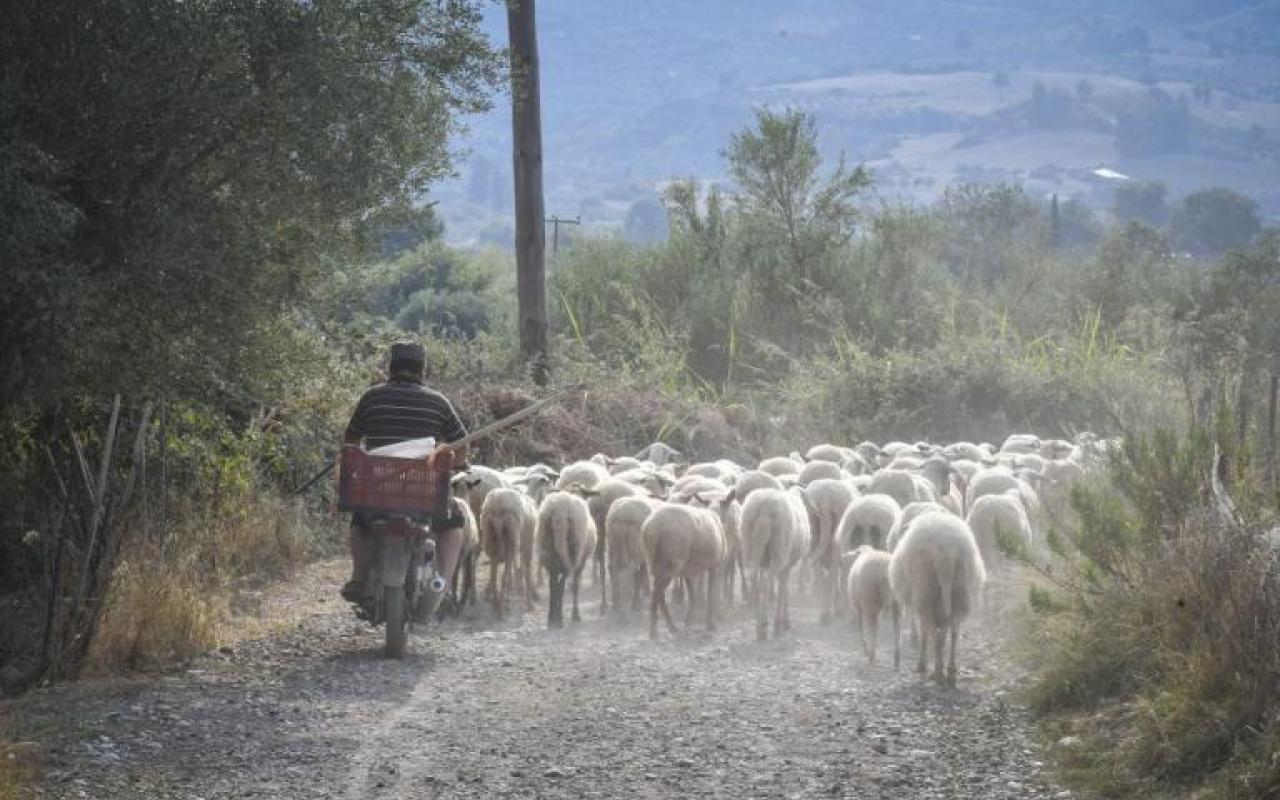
[(637, 93)]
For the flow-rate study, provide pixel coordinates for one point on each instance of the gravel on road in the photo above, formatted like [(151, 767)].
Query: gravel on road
[(481, 708)]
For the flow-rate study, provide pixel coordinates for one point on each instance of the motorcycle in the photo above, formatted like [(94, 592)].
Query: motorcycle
[(406, 586), (397, 496)]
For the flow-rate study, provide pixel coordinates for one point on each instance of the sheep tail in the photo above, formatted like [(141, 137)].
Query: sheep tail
[(571, 545)]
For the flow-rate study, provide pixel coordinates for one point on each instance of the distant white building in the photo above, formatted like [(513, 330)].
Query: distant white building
[(1110, 175)]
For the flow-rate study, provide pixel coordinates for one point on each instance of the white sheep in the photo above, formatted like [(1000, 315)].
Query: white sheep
[(827, 501), (908, 515), (868, 520), (463, 581), (682, 542), (623, 527), (937, 573), (624, 463), (659, 454), (781, 465), (995, 513), (654, 482), (754, 479), (819, 470), (692, 484), (476, 483), (854, 464), (583, 473), (1020, 443), (958, 451), (998, 480), (508, 525), (605, 494), (869, 595), (725, 504), (566, 540), (827, 452), (899, 484), (869, 452), (775, 537)]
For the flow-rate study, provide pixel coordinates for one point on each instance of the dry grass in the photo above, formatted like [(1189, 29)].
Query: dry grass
[(16, 772), (172, 598)]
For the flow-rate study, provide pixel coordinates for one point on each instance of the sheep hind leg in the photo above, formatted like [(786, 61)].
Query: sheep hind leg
[(600, 558), (760, 604), (666, 612), (694, 584), (555, 602), (897, 636), (713, 587), (861, 625), (526, 572), (784, 603), (939, 653), (577, 580), (826, 581), (498, 590), (655, 601), (637, 577), (922, 666), (875, 634), (951, 666)]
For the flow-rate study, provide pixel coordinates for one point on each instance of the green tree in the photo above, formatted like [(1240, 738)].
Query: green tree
[(782, 192), (173, 172), (989, 226), (1143, 201), (1129, 267), (1211, 221), (795, 219)]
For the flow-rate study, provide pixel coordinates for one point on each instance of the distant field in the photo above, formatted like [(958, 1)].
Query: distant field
[(920, 166), (974, 93)]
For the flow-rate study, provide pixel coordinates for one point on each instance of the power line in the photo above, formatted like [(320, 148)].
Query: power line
[(556, 222)]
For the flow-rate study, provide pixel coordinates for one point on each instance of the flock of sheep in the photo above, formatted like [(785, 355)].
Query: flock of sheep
[(896, 528)]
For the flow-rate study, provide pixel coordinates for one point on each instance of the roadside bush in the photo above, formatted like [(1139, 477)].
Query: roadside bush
[(1163, 649), (975, 387)]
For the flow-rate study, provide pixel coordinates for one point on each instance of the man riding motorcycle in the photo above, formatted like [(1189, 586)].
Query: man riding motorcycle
[(403, 408)]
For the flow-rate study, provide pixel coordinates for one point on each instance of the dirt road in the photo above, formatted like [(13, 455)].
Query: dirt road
[(487, 709)]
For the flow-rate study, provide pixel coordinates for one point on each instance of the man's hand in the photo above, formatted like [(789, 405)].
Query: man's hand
[(460, 453)]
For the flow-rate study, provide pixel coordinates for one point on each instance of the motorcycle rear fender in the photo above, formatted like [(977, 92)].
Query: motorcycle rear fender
[(397, 551)]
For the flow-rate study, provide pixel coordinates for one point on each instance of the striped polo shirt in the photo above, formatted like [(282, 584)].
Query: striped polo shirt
[(400, 410)]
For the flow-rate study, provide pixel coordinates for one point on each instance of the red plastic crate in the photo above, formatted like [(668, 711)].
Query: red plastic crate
[(392, 485)]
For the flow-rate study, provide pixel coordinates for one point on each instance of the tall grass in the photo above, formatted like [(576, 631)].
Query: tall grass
[(172, 596)]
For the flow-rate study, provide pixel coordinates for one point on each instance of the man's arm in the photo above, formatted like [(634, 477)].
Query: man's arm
[(354, 432), (452, 431)]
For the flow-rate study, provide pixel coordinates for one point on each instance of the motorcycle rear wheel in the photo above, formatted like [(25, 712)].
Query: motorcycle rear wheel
[(397, 624)]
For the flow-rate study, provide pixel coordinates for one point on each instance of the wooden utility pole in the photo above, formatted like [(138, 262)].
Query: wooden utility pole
[(556, 222), (526, 143)]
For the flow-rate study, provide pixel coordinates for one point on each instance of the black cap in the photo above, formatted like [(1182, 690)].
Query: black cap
[(408, 353)]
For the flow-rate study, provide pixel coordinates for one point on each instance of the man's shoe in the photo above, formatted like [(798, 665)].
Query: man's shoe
[(353, 591)]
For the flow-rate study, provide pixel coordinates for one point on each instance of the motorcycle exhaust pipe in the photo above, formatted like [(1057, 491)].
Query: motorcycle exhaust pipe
[(428, 550), (436, 584)]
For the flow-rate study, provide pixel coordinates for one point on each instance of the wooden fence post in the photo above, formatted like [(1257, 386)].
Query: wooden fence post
[(1271, 433)]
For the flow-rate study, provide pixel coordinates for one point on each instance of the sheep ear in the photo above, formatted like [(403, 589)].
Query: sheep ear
[(731, 495)]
